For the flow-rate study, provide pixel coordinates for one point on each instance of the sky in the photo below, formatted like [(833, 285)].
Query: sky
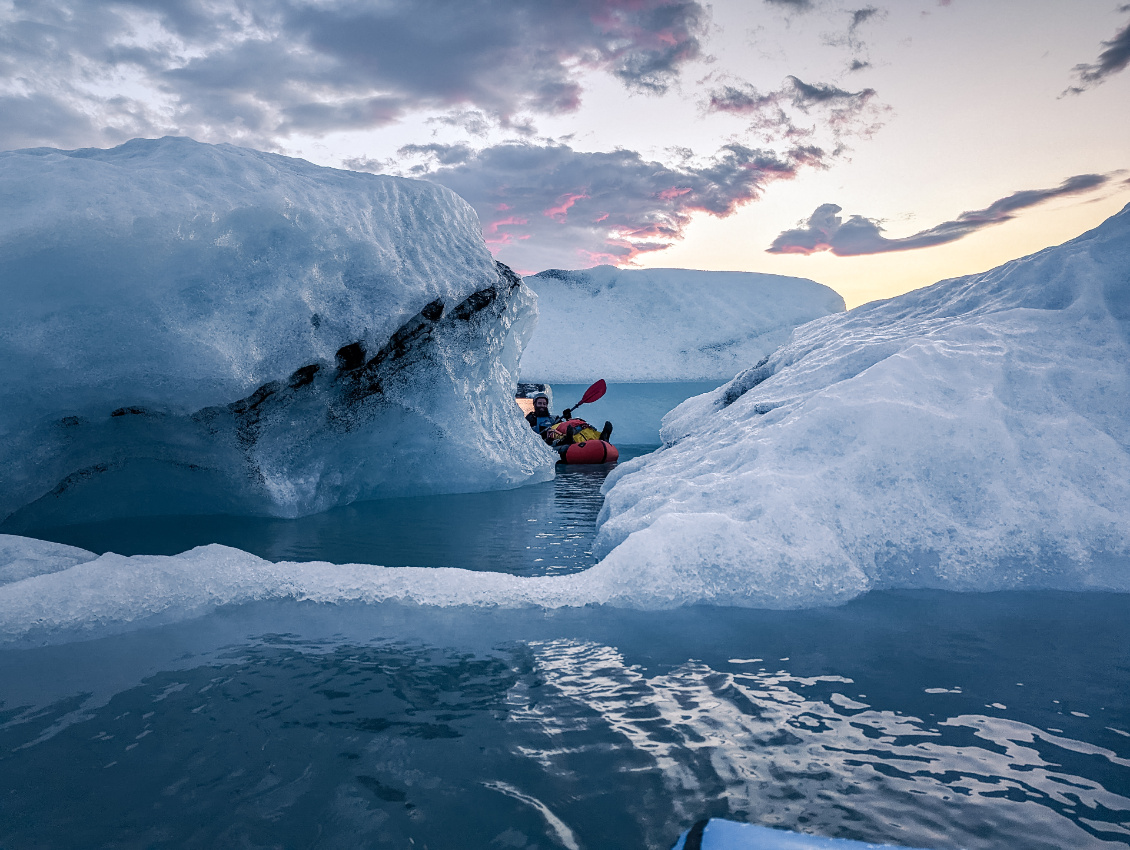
[(872, 147)]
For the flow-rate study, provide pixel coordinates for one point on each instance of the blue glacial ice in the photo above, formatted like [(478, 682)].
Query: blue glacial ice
[(971, 435), (663, 324), (195, 328)]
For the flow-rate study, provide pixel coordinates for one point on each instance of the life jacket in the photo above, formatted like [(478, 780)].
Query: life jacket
[(540, 423)]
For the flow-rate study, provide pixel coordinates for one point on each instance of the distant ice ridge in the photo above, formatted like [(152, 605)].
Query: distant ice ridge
[(972, 435), (663, 324), (198, 328)]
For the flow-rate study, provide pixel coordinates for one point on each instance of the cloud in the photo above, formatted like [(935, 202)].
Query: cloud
[(862, 16), (851, 38), (793, 5), (1112, 60), (780, 114), (258, 70), (443, 154), (38, 120), (547, 205), (825, 230)]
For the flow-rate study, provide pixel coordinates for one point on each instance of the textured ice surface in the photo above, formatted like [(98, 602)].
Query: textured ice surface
[(663, 324), (22, 557), (728, 835), (110, 593), (971, 435), (191, 328)]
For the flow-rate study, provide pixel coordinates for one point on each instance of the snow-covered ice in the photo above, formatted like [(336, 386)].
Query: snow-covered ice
[(663, 324), (191, 327), (971, 435), (720, 834), (24, 557), (59, 594)]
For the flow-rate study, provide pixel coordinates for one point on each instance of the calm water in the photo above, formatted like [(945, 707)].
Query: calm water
[(931, 719), (543, 529), (927, 719)]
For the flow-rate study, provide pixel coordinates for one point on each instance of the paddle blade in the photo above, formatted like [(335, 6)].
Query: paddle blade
[(594, 392)]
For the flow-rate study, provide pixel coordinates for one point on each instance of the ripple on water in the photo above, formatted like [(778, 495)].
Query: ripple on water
[(592, 729)]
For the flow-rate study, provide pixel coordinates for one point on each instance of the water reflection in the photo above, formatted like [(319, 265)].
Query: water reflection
[(590, 728), (783, 750)]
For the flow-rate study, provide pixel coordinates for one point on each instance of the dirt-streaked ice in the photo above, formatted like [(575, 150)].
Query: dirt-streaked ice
[(198, 328)]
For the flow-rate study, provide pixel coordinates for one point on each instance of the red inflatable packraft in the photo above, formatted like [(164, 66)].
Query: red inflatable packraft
[(587, 446)]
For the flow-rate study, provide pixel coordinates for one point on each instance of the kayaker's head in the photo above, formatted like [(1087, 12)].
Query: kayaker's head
[(541, 404)]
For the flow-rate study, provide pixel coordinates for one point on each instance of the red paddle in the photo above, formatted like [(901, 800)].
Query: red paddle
[(596, 391)]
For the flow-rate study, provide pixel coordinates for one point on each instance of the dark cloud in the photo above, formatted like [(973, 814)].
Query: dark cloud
[(259, 69), (851, 39), (861, 16), (825, 230), (38, 120), (547, 204), (355, 114), (805, 95), (786, 112), (792, 5), (1112, 60), (443, 154)]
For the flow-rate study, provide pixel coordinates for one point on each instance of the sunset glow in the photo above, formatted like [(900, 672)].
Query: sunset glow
[(874, 149)]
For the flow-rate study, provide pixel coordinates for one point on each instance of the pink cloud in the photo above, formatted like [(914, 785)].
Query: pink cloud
[(495, 237), (561, 211), (631, 205)]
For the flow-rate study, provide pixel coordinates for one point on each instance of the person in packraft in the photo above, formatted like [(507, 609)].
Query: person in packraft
[(542, 421)]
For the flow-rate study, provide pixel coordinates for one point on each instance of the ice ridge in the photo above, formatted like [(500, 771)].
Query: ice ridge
[(663, 324), (971, 435)]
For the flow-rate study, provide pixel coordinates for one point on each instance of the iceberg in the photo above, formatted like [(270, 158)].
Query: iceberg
[(647, 325), (971, 435), (194, 328)]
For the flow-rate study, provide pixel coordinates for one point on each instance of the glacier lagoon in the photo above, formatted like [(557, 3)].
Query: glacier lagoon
[(477, 696), (914, 718), (541, 529)]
